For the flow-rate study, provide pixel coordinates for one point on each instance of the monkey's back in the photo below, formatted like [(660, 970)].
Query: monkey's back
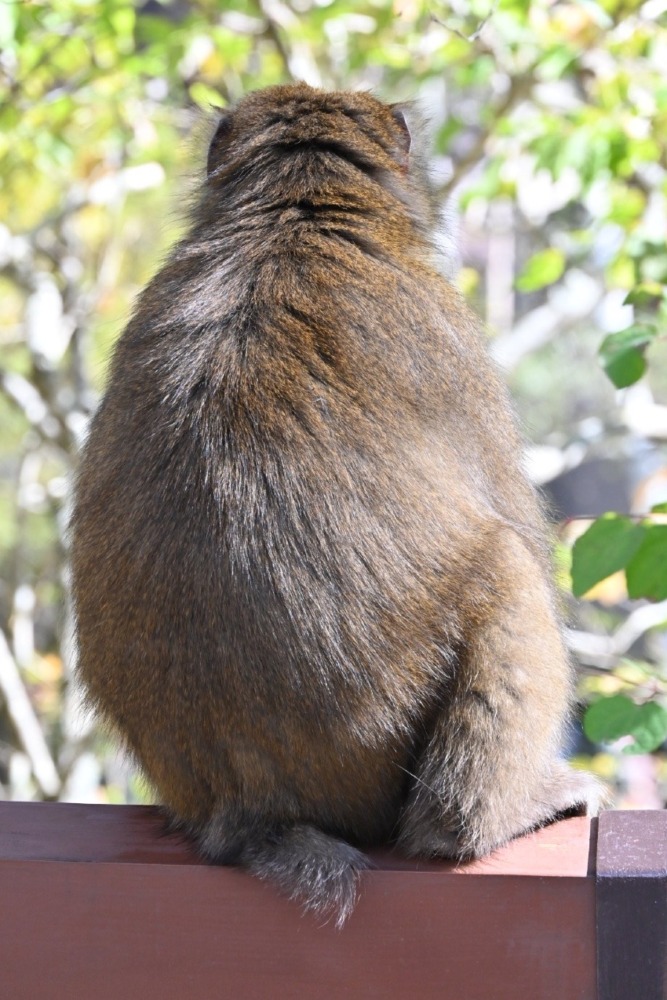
[(278, 509)]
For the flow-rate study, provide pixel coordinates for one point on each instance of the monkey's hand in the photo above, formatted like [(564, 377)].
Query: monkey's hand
[(428, 831)]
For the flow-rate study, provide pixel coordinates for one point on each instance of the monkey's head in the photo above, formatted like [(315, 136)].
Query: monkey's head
[(296, 117), (301, 151), (296, 142)]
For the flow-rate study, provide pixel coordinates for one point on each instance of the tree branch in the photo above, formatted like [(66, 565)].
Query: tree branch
[(25, 722), (519, 88), (605, 650)]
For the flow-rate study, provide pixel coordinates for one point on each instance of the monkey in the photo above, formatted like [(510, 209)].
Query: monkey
[(310, 578)]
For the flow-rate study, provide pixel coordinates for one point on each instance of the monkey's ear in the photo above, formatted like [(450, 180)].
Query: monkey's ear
[(404, 137), (219, 142)]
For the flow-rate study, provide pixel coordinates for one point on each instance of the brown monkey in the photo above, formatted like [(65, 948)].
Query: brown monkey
[(309, 575)]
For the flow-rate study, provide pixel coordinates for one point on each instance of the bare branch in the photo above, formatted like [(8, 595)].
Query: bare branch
[(605, 650), (478, 30), (33, 406), (25, 722), (298, 61), (519, 88), (272, 32)]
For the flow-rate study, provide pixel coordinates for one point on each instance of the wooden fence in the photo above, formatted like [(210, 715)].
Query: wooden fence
[(97, 903)]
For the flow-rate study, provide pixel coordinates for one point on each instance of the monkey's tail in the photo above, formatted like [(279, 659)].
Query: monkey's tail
[(310, 866)]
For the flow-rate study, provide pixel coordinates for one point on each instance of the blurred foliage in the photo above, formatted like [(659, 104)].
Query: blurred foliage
[(618, 716), (549, 124)]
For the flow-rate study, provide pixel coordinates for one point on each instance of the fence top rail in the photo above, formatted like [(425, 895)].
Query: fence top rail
[(38, 831)]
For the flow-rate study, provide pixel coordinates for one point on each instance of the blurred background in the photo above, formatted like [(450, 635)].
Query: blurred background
[(548, 125)]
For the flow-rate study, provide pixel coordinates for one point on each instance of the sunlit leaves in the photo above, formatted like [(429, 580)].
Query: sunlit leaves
[(627, 205), (610, 719), (647, 295), (543, 268), (606, 547), (204, 96), (622, 354), (556, 61), (646, 572), (614, 718), (8, 21), (614, 543)]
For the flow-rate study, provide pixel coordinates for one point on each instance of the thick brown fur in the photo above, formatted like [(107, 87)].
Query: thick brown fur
[(309, 573)]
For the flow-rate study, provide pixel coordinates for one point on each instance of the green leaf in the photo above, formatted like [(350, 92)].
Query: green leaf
[(452, 127), (627, 206), (556, 61), (654, 268), (521, 5), (637, 335), (646, 571), (645, 295), (542, 269), (8, 23), (610, 719), (622, 354), (649, 730), (206, 97), (626, 368), (606, 547), (659, 508)]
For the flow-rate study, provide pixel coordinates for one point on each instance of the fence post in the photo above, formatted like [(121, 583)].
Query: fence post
[(631, 905)]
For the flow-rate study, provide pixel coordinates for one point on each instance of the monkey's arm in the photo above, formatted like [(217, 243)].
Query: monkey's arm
[(491, 769)]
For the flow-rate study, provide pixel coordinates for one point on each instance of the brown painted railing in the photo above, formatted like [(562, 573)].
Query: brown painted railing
[(96, 903)]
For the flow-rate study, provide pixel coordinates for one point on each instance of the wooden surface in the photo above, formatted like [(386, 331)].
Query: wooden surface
[(631, 871), (54, 831), (97, 903)]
